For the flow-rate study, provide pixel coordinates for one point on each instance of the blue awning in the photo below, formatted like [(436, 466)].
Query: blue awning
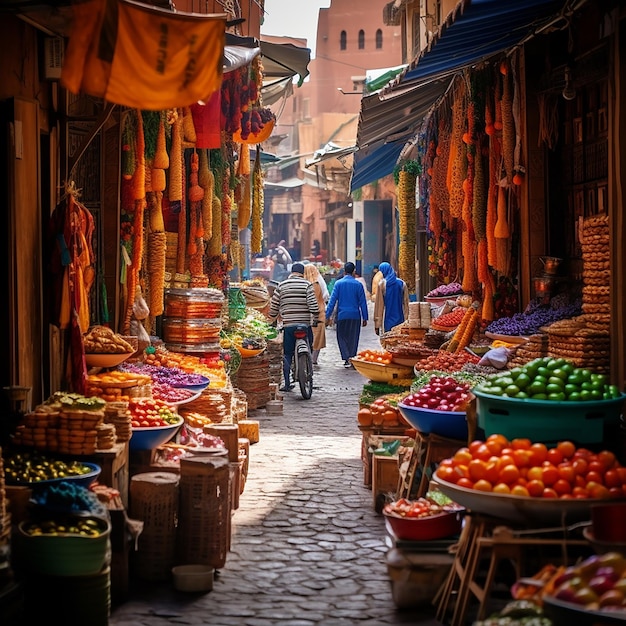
[(374, 162), (473, 32), (477, 30)]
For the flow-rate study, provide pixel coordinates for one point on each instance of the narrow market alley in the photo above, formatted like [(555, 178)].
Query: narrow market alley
[(307, 546)]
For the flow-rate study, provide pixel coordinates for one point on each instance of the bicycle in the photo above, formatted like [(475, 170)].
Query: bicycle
[(302, 363)]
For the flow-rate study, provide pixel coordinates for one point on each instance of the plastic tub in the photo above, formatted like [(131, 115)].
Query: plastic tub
[(193, 578), (451, 424), (546, 420), (64, 554)]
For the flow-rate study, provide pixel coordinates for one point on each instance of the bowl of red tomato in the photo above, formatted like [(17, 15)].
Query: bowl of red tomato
[(422, 520)]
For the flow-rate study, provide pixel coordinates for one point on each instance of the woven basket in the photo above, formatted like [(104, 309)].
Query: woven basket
[(154, 500), (239, 406), (205, 507)]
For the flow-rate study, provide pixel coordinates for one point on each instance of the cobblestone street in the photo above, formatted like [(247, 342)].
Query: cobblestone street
[(307, 545)]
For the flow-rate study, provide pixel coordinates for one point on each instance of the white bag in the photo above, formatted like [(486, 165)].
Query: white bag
[(143, 338)]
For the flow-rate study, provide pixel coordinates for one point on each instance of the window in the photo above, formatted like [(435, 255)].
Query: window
[(361, 39), (343, 40), (379, 39)]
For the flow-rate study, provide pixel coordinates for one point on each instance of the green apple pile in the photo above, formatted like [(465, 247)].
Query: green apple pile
[(548, 378), (84, 527), (599, 582), (31, 467)]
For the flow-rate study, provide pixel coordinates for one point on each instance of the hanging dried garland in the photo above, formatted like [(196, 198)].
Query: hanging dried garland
[(256, 240), (138, 195), (157, 240), (406, 179)]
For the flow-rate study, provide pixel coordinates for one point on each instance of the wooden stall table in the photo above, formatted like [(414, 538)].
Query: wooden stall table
[(485, 537), (428, 449)]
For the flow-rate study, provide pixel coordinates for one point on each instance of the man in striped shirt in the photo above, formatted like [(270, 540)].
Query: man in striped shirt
[(295, 303)]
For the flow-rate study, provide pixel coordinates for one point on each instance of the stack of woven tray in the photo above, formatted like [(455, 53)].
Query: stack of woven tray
[(535, 348), (580, 343), (596, 268), (274, 351)]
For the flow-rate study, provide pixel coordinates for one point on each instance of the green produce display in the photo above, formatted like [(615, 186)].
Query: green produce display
[(517, 613), (85, 527), (31, 467), (550, 378), (373, 390)]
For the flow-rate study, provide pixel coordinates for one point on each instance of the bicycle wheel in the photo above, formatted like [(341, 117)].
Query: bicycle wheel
[(305, 374)]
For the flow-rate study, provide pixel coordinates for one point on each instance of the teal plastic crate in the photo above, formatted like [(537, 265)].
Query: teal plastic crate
[(546, 420)]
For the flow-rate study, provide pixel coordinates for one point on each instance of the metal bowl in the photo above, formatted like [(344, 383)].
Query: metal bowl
[(520, 509)]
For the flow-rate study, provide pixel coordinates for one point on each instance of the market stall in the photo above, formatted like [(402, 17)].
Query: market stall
[(516, 422)]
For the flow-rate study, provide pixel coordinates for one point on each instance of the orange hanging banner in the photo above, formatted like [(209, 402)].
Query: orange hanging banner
[(143, 57)]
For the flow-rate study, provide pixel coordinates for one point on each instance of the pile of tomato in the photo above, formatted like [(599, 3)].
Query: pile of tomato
[(522, 468)]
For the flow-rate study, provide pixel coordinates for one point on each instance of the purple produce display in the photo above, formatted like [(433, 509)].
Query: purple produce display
[(535, 316), (171, 376), (451, 289)]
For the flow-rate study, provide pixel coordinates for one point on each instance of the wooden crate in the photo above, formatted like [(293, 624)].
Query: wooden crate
[(396, 432), (114, 464), (385, 477)]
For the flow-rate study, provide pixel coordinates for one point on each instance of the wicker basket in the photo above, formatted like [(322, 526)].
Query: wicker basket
[(205, 511), (239, 406), (154, 500)]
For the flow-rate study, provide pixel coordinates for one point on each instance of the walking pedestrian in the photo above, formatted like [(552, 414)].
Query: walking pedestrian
[(376, 278), (362, 281), (295, 303), (311, 273), (391, 306), (348, 296)]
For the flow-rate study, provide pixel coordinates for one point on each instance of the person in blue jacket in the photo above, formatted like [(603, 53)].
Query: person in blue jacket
[(391, 306), (348, 296)]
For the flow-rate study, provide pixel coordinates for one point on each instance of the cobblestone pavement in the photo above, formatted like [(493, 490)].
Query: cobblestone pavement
[(307, 546)]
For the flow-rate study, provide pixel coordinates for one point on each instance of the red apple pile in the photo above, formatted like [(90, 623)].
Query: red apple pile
[(440, 393)]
